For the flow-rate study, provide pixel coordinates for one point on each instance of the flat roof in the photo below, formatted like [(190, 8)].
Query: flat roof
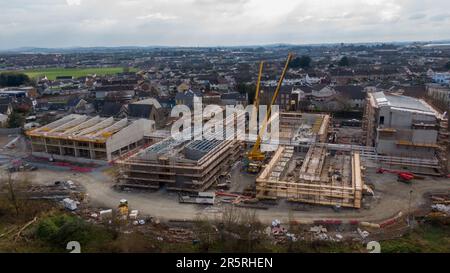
[(404, 103)]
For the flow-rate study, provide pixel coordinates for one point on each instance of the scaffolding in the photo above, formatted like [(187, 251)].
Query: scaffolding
[(443, 144), (177, 172), (321, 179), (183, 165)]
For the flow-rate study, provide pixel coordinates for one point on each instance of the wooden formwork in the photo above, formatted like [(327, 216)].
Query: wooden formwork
[(314, 184)]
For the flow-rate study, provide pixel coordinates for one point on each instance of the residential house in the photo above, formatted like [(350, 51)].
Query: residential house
[(80, 106), (211, 98), (187, 98), (113, 109), (441, 78), (234, 98), (147, 109), (354, 95), (5, 110)]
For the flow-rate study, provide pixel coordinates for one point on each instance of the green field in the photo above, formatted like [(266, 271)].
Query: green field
[(52, 73)]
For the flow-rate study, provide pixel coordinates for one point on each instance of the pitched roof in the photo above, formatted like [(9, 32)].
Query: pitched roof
[(5, 100), (232, 96), (417, 91), (139, 110), (73, 102), (4, 108), (187, 95), (354, 92), (111, 109), (54, 106)]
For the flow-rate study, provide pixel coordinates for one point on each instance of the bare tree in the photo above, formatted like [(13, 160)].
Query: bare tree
[(12, 194)]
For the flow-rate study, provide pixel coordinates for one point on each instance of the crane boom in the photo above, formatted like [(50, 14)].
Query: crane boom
[(256, 154)]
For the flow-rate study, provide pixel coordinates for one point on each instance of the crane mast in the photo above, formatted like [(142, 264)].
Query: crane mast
[(254, 117), (255, 154)]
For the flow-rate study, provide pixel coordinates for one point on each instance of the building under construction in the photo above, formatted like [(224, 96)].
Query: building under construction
[(194, 165), (183, 165), (406, 127), (179, 165), (82, 138), (320, 177), (303, 128)]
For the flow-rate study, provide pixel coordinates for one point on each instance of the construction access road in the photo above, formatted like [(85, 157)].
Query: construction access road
[(390, 198)]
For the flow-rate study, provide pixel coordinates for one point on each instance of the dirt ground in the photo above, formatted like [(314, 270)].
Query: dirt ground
[(240, 180), (349, 135), (390, 197)]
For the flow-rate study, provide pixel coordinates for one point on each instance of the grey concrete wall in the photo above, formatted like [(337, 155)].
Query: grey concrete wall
[(402, 122), (389, 147), (424, 136), (128, 135)]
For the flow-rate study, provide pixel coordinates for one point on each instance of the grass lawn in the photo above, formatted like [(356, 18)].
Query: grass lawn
[(427, 238), (52, 73)]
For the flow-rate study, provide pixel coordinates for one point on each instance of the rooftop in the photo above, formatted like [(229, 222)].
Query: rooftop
[(403, 103), (82, 128)]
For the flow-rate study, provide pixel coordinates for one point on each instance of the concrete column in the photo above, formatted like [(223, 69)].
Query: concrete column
[(77, 154), (45, 145), (60, 147), (91, 150)]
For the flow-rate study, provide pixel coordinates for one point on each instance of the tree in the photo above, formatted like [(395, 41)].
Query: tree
[(248, 89), (447, 65), (343, 103), (13, 79), (12, 193), (60, 229), (344, 61), (301, 62), (13, 199), (15, 120)]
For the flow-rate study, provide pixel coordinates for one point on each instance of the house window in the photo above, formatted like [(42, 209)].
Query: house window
[(381, 120)]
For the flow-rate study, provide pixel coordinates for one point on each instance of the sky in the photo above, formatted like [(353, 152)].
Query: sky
[(70, 23)]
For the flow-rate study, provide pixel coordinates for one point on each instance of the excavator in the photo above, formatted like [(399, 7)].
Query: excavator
[(255, 156)]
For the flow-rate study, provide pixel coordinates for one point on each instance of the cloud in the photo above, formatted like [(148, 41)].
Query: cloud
[(57, 23), (417, 16), (73, 2), (440, 17), (157, 16)]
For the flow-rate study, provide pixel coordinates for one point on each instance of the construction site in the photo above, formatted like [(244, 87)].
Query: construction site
[(306, 163), (183, 165), (317, 178), (305, 167), (81, 138), (179, 165), (303, 128)]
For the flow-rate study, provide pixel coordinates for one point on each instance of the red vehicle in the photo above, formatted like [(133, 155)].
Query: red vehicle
[(405, 177)]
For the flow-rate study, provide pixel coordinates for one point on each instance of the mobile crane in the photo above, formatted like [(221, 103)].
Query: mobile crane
[(255, 156)]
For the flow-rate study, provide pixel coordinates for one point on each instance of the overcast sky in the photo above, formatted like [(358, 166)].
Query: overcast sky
[(67, 23)]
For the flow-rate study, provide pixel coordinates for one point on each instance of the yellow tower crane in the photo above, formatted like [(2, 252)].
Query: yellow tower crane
[(255, 156), (254, 117)]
